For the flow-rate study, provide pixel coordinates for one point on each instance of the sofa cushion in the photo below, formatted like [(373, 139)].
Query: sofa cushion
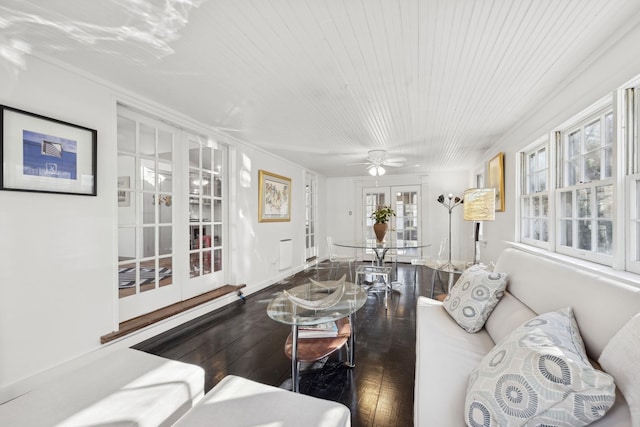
[(539, 373), (474, 296), (620, 359), (506, 316), (445, 357)]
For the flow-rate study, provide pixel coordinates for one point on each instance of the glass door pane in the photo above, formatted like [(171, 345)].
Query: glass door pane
[(405, 224), (373, 197)]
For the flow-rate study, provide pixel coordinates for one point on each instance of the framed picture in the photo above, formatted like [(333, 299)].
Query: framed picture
[(46, 155), (124, 197), (496, 179), (274, 199)]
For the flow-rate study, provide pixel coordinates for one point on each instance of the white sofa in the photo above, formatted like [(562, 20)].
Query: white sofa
[(131, 388), (446, 354)]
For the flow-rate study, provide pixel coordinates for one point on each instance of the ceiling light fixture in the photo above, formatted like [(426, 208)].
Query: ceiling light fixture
[(376, 170)]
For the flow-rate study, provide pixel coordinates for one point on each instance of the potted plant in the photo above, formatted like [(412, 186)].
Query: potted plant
[(381, 216)]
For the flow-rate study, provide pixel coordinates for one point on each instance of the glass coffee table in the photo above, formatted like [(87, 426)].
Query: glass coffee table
[(282, 309)]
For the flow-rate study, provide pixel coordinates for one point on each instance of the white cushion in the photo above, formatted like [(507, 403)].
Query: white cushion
[(474, 296), (620, 358), (539, 375), (546, 285), (506, 316), (445, 357), (239, 402), (125, 387)]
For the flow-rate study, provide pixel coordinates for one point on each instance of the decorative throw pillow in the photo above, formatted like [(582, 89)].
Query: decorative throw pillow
[(474, 296), (620, 358), (539, 375)]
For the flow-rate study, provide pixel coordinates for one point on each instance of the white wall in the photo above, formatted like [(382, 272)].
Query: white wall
[(58, 253), (255, 245), (445, 182), (345, 195)]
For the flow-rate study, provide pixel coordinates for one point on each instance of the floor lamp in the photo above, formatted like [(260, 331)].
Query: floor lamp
[(479, 205), (449, 202)]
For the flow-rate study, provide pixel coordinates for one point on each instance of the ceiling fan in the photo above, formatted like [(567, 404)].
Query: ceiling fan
[(377, 159)]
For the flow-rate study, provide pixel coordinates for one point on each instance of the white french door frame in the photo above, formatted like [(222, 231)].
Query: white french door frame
[(146, 301), (311, 215), (182, 286)]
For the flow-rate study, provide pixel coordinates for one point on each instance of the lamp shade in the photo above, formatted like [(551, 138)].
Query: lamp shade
[(479, 204)]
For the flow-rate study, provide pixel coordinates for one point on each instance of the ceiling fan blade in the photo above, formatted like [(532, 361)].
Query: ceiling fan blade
[(393, 164), (396, 160), (361, 163)]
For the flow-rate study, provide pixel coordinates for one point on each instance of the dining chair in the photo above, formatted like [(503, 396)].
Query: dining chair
[(338, 260)]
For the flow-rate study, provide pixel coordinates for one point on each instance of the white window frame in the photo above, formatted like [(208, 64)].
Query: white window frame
[(633, 223), (605, 107), (629, 102), (525, 196)]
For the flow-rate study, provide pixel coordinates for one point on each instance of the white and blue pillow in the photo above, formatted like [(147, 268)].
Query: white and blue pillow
[(539, 375), (474, 296)]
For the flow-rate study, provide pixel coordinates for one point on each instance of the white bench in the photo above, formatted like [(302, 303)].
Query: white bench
[(131, 388), (125, 388)]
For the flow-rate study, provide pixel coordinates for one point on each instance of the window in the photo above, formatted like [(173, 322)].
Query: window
[(592, 205), (585, 220), (534, 200)]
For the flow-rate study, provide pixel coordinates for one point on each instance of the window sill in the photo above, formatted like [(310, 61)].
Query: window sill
[(626, 277)]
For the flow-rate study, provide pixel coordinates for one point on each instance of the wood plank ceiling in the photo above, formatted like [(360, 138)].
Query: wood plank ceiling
[(321, 82)]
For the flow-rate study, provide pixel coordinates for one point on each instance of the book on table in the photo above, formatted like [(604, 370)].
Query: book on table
[(321, 330)]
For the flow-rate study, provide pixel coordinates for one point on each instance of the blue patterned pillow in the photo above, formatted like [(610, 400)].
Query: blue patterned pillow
[(474, 296), (539, 375)]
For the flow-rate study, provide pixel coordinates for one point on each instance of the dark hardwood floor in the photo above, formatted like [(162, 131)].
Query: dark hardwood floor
[(241, 339)]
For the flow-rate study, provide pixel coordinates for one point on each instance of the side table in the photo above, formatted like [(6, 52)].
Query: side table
[(453, 268)]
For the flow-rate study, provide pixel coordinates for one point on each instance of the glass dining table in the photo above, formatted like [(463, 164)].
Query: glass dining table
[(380, 249)]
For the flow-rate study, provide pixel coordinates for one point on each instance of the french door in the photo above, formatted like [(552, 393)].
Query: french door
[(311, 248), (171, 214), (404, 228), (146, 184), (207, 215)]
